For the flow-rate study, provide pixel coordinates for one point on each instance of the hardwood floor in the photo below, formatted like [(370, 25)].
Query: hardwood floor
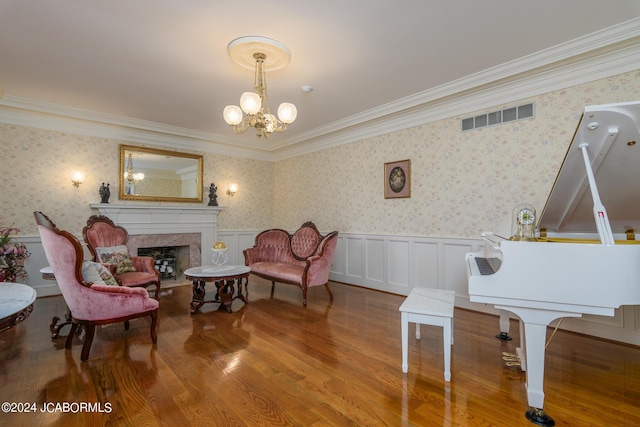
[(273, 362)]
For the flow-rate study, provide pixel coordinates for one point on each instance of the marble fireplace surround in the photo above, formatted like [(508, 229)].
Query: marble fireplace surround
[(189, 240), (154, 226)]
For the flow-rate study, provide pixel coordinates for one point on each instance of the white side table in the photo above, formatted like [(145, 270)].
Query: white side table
[(429, 307)]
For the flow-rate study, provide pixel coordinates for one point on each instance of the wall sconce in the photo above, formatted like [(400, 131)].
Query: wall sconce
[(233, 188), (77, 178)]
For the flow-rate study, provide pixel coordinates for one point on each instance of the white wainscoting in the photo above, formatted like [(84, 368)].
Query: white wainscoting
[(397, 264), (237, 241), (394, 264)]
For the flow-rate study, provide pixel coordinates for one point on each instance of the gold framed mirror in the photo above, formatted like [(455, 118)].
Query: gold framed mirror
[(150, 174)]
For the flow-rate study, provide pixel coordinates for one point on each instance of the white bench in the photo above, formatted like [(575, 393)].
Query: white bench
[(428, 307)]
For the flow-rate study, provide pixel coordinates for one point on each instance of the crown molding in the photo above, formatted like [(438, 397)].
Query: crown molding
[(614, 50), (596, 68), (605, 53), (43, 115)]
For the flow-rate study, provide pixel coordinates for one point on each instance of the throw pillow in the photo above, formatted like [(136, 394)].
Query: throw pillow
[(118, 255), (97, 273)]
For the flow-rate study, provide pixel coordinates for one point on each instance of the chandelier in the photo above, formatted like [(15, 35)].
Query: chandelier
[(263, 53), (129, 175)]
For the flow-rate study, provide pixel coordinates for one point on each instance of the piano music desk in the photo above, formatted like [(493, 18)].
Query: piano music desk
[(428, 307)]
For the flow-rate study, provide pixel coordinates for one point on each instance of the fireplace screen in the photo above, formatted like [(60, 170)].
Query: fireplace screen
[(170, 261)]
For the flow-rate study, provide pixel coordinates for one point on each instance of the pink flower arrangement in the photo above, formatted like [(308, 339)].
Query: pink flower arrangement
[(12, 255)]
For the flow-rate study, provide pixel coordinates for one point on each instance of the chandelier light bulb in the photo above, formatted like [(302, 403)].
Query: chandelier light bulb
[(287, 112), (232, 115), (250, 102)]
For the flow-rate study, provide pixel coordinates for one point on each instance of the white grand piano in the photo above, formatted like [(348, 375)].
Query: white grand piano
[(575, 264)]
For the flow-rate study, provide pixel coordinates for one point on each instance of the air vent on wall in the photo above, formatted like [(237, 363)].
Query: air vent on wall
[(496, 117)]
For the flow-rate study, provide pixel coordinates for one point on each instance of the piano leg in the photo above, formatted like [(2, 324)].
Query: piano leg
[(504, 326), (535, 336), (520, 351)]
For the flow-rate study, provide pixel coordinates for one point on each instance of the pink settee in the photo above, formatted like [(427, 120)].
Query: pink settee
[(302, 258)]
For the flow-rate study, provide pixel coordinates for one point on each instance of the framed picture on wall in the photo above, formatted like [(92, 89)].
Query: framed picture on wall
[(397, 179)]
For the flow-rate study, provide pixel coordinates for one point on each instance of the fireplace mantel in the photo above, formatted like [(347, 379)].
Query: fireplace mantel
[(155, 219)]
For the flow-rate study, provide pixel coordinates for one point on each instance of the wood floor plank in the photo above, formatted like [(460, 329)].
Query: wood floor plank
[(275, 362)]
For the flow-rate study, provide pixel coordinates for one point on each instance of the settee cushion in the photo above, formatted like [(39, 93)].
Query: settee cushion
[(279, 271)]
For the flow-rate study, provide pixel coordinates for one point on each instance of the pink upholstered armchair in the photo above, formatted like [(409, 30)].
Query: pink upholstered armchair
[(90, 303), (103, 237), (303, 258)]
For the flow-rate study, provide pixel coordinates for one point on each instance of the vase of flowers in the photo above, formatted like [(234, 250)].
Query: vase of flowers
[(12, 256)]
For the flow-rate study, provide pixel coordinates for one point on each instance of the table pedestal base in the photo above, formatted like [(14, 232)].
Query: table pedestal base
[(224, 296), (55, 327)]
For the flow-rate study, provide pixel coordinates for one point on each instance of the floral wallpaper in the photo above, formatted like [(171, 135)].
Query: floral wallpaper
[(251, 208), (37, 164), (462, 183)]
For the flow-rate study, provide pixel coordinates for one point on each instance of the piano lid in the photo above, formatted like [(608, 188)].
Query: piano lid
[(613, 134)]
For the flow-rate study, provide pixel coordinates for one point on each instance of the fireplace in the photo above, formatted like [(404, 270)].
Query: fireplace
[(151, 226), (190, 242), (170, 261)]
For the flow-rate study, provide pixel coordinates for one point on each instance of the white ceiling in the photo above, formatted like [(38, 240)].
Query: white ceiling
[(165, 61)]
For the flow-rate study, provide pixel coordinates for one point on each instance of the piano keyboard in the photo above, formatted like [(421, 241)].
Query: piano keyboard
[(488, 265)]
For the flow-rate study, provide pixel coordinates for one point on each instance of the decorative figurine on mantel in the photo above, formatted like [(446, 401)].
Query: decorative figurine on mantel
[(213, 197), (105, 193)]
